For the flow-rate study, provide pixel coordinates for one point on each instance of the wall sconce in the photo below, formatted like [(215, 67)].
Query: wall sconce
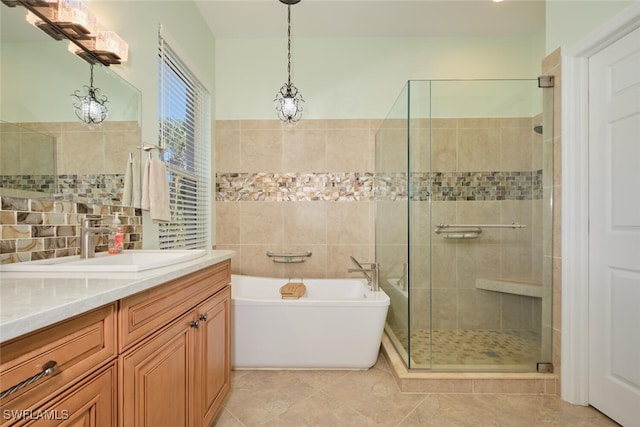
[(91, 108), (74, 21), (288, 100), (107, 46), (71, 17)]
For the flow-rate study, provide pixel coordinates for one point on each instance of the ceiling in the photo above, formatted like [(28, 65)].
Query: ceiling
[(347, 18), (373, 18)]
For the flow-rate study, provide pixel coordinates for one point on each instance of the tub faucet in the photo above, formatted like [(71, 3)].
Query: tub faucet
[(87, 245), (404, 280), (370, 273)]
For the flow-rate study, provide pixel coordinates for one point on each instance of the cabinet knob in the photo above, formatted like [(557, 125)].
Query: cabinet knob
[(203, 317), (194, 324)]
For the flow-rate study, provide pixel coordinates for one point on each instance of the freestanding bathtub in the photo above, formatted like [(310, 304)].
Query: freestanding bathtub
[(337, 324)]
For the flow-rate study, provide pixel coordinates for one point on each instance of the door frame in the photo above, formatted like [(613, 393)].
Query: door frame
[(574, 374)]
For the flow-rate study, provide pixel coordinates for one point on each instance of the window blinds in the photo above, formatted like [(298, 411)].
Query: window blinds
[(184, 133)]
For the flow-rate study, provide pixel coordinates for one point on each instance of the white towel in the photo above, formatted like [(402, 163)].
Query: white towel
[(131, 196), (155, 191)]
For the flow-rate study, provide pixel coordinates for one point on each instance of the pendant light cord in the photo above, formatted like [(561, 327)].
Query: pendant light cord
[(289, 44)]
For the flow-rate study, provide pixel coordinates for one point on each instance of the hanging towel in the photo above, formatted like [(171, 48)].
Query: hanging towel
[(131, 196), (155, 191)]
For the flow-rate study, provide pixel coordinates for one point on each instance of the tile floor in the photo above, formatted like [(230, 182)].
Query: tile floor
[(372, 398), (473, 347)]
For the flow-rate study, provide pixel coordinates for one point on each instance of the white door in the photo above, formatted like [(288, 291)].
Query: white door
[(614, 230)]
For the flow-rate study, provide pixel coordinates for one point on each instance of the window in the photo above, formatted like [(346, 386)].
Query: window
[(184, 116)]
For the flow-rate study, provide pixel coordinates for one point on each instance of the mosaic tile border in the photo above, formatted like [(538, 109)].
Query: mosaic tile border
[(40, 183), (512, 185), (279, 187), (356, 186), (103, 189)]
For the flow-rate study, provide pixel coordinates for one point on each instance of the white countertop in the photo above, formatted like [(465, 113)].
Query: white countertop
[(30, 301)]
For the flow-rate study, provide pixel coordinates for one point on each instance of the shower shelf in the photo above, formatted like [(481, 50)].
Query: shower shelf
[(288, 258), (510, 287)]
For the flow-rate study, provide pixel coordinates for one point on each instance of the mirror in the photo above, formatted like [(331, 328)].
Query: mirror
[(37, 77), (27, 162)]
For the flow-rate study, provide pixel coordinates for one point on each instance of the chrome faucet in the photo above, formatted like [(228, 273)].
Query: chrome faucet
[(87, 245), (370, 273)]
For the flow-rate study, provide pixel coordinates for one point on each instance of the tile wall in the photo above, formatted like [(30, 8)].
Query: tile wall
[(310, 188), (295, 189), (484, 171), (90, 165), (38, 229)]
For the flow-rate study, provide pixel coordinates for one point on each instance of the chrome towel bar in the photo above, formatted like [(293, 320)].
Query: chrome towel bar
[(469, 231), (512, 225)]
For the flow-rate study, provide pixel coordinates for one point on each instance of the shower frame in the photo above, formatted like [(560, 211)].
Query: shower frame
[(423, 178)]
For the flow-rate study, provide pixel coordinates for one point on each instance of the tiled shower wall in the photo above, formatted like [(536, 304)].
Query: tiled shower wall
[(295, 189), (484, 171), (510, 146)]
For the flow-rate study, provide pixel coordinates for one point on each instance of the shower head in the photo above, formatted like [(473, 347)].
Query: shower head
[(538, 129)]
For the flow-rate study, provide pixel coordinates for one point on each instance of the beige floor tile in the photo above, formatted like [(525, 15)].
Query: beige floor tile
[(374, 394), (319, 410), (372, 398), (258, 396)]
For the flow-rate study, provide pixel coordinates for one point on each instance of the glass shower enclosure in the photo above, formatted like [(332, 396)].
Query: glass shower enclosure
[(464, 184)]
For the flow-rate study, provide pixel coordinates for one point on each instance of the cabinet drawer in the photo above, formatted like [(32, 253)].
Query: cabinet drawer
[(90, 403), (144, 313), (78, 346)]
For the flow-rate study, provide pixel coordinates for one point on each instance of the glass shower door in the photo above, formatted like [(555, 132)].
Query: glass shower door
[(464, 175), (487, 226)]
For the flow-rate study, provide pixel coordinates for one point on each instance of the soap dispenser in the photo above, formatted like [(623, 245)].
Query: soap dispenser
[(116, 237)]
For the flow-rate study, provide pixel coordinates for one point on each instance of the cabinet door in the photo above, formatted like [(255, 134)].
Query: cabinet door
[(213, 361), (157, 378), (92, 403)]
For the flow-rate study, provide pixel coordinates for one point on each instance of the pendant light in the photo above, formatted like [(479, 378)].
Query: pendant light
[(288, 100), (90, 107)]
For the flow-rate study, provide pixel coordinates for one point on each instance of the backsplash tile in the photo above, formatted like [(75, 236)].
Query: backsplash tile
[(40, 229)]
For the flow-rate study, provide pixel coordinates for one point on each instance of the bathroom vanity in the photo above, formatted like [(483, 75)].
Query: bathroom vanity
[(146, 349)]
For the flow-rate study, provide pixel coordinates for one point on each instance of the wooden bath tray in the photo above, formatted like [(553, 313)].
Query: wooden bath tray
[(293, 290)]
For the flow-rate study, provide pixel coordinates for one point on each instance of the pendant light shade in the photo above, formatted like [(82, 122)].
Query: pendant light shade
[(288, 100), (90, 107)]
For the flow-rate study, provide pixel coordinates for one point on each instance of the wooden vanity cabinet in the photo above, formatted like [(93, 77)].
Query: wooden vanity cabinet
[(174, 366), (80, 347), (160, 357)]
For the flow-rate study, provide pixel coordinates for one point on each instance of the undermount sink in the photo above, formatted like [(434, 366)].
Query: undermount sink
[(133, 260)]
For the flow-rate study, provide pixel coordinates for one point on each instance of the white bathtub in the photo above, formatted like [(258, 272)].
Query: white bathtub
[(338, 324)]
